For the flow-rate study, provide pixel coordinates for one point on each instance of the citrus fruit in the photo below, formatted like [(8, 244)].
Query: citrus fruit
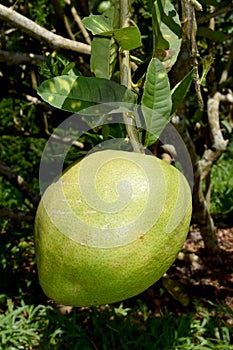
[(110, 227)]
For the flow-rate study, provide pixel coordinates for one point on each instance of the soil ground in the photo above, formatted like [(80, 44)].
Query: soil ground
[(195, 277)]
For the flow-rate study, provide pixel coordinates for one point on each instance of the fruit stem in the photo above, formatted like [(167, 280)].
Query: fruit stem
[(125, 78)]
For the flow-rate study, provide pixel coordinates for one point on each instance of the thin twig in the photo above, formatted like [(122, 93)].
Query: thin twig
[(16, 58), (189, 34), (206, 17), (125, 78), (26, 134), (40, 33), (14, 214), (62, 17), (79, 22), (201, 215), (226, 70)]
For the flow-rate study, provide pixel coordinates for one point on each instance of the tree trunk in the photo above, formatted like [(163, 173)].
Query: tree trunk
[(201, 214)]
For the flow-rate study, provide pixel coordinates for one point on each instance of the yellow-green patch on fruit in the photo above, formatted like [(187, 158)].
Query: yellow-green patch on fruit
[(110, 227)]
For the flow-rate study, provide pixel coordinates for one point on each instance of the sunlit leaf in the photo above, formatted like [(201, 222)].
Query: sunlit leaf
[(77, 93), (128, 38), (98, 24), (104, 53), (157, 13), (180, 90), (227, 125), (156, 100), (207, 63), (167, 45)]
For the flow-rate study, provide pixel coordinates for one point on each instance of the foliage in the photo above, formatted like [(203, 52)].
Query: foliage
[(26, 321), (222, 187), (37, 326)]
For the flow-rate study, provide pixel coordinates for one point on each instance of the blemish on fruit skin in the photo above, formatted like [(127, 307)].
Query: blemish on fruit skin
[(76, 289)]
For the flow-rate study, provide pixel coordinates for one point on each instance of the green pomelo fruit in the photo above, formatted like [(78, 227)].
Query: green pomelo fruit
[(110, 227)]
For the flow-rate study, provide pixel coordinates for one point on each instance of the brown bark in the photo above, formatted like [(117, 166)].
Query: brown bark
[(125, 79), (17, 215), (40, 33), (201, 214), (189, 58), (16, 58)]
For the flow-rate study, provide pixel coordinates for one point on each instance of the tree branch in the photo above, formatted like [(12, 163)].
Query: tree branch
[(46, 135), (125, 78), (79, 22), (18, 215), (218, 146), (62, 17), (15, 58), (218, 12), (18, 182), (189, 35), (201, 213), (40, 33), (226, 70)]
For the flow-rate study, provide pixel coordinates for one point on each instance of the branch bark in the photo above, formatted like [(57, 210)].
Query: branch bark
[(79, 22), (218, 12), (40, 33), (226, 70), (15, 58), (18, 215), (189, 35), (218, 144), (125, 78), (62, 17), (18, 182), (201, 214)]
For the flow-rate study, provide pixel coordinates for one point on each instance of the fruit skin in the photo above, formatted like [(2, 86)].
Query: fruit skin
[(72, 273)]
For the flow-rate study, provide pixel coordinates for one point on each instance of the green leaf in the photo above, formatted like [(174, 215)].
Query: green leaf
[(156, 100), (74, 94), (214, 35), (104, 53), (227, 125), (157, 13), (207, 63), (55, 65), (177, 290), (128, 38), (168, 43), (98, 24), (180, 90)]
